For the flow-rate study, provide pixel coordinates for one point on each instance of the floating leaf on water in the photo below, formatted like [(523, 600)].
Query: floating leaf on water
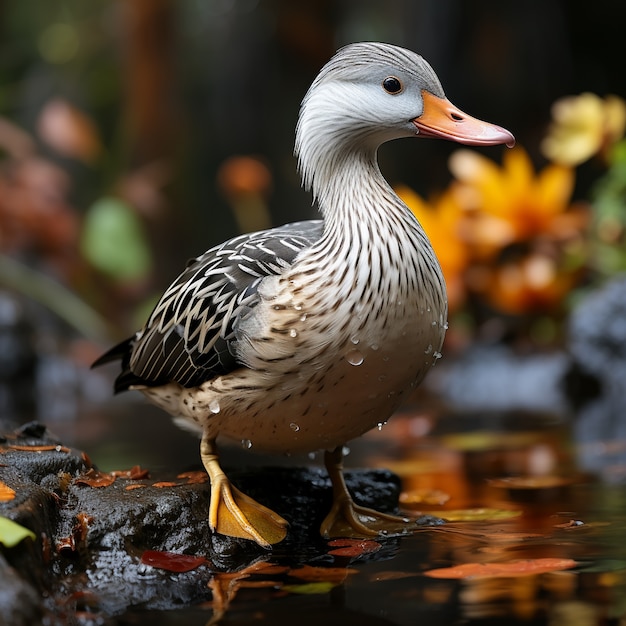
[(391, 575), (603, 566), (311, 573), (6, 493), (95, 478), (12, 533), (424, 496), (573, 523), (511, 569), (171, 561), (353, 547), (310, 588), (532, 482), (488, 440), (475, 515)]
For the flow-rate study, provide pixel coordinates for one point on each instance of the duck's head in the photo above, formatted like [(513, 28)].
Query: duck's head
[(370, 93)]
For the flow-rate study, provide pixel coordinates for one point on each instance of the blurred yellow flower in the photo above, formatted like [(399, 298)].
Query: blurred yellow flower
[(583, 126), (512, 203), (441, 219)]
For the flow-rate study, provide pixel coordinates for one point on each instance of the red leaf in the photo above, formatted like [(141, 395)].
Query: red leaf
[(511, 569), (353, 547), (171, 561)]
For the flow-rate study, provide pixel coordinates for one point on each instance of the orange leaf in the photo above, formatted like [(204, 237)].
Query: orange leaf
[(195, 477), (136, 486), (424, 496), (164, 483), (353, 547), (134, 473), (95, 478), (6, 493), (69, 131), (532, 482), (46, 448), (511, 569)]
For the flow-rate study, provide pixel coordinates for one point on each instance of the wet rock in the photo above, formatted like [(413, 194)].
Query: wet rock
[(494, 377), (92, 528), (597, 332)]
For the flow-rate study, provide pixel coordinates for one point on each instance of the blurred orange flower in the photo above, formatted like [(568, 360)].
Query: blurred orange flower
[(441, 219), (583, 126)]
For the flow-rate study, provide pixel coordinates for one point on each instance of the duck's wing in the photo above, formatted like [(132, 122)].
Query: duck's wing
[(188, 335)]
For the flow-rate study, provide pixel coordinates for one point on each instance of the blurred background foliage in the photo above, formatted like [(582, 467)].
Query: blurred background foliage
[(135, 134)]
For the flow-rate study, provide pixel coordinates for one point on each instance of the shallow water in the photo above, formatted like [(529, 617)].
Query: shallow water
[(518, 479)]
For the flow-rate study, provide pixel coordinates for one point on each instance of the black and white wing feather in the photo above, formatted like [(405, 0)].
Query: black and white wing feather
[(188, 336)]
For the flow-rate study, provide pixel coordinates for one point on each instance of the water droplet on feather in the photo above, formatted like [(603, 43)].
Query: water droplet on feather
[(354, 357)]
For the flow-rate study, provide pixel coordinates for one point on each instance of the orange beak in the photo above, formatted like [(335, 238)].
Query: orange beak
[(442, 119)]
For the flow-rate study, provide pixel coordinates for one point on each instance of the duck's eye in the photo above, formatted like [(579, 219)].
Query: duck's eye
[(392, 85)]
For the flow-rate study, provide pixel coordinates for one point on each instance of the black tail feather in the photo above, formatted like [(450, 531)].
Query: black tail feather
[(120, 352)]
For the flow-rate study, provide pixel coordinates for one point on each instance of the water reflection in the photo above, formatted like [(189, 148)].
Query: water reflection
[(516, 462)]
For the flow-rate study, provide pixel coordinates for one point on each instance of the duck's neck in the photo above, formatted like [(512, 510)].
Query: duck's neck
[(367, 226)]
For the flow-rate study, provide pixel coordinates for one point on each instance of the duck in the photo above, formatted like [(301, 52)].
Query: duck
[(305, 336)]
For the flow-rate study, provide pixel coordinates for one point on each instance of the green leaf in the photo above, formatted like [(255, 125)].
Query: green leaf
[(11, 533), (113, 240), (310, 588)]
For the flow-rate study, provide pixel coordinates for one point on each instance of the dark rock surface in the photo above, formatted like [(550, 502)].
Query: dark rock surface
[(91, 530)]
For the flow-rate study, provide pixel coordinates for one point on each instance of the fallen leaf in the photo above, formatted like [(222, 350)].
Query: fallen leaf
[(46, 448), (310, 588), (475, 515), (134, 473), (353, 547), (164, 483), (573, 523), (12, 533), (6, 493), (131, 487), (526, 567), (95, 478), (424, 496), (171, 561), (311, 573), (195, 477), (532, 482), (391, 575)]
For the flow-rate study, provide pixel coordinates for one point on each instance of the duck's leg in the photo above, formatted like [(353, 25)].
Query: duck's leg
[(348, 519), (234, 513)]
